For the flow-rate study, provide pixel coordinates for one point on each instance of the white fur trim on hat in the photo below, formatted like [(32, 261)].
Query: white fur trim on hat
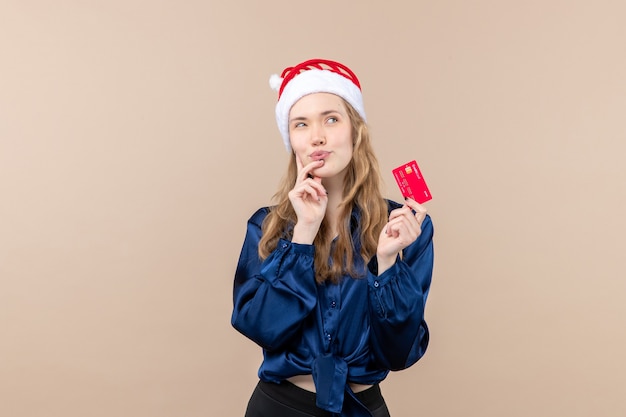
[(309, 82)]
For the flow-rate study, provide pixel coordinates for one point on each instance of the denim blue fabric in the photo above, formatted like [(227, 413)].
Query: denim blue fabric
[(354, 331)]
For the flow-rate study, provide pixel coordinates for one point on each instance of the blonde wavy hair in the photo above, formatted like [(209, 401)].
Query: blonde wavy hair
[(362, 190)]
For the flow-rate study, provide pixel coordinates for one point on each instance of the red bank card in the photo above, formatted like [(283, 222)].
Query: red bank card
[(411, 182)]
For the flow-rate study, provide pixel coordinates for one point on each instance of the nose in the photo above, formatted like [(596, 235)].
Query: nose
[(318, 136)]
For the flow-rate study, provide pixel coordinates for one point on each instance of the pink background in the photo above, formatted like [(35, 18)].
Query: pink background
[(137, 137)]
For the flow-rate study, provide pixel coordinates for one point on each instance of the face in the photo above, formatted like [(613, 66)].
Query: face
[(319, 128)]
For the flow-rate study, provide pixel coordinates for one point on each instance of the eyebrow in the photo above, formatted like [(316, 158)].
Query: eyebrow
[(324, 113)]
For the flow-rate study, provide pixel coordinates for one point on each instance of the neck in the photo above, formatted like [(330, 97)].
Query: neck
[(334, 187)]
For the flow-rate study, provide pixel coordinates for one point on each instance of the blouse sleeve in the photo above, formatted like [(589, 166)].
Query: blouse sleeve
[(271, 298), (399, 334)]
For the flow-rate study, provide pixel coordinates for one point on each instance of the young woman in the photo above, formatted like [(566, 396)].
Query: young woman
[(332, 280)]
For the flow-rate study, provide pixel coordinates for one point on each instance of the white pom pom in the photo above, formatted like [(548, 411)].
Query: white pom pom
[(275, 82)]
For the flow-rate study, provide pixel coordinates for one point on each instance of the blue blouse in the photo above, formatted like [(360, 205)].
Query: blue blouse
[(354, 331)]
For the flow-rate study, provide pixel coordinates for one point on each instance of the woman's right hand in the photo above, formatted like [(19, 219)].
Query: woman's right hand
[(309, 200)]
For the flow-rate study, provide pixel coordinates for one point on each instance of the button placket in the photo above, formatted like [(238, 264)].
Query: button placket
[(330, 313)]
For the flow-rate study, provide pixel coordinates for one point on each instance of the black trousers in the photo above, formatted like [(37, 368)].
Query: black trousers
[(288, 400)]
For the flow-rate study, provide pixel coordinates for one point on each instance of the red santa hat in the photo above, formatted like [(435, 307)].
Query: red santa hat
[(313, 76)]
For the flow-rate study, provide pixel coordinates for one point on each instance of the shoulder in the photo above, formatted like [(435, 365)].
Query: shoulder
[(258, 216)]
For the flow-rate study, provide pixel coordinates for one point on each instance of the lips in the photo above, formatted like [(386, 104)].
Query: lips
[(317, 155)]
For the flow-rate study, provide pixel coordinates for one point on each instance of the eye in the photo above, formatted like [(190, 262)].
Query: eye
[(332, 119), (300, 124)]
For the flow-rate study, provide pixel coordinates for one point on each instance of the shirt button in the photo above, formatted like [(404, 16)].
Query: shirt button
[(284, 246), (376, 284), (333, 304), (329, 337)]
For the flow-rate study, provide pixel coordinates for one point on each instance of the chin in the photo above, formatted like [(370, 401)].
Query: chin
[(326, 173), (320, 173)]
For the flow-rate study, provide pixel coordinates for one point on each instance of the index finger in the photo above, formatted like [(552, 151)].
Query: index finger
[(300, 169), (298, 163), (304, 171)]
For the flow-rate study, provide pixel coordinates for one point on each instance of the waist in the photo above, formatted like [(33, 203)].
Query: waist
[(296, 398), (306, 382)]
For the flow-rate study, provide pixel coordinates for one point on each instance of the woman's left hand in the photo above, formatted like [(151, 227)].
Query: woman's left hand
[(403, 228)]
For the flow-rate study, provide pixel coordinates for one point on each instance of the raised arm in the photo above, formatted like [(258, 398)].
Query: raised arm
[(397, 298), (272, 298)]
